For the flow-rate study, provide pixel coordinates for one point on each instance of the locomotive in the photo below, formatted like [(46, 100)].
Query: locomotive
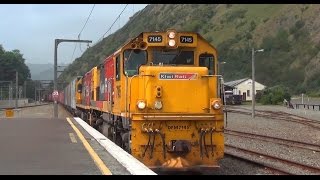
[(159, 98)]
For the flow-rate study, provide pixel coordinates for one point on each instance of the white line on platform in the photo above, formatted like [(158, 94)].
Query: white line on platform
[(73, 138), (133, 165)]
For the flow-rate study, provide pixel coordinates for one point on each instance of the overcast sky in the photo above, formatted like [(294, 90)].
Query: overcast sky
[(33, 28)]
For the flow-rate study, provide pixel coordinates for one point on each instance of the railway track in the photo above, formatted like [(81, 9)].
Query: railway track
[(266, 166), (272, 162), (282, 141), (279, 115), (285, 114), (276, 163), (3, 109)]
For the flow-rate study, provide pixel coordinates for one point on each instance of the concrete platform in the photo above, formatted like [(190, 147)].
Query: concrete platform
[(35, 143), (41, 146)]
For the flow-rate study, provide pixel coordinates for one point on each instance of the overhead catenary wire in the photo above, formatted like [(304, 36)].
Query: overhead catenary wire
[(85, 26), (86, 21), (127, 25), (75, 46), (115, 21)]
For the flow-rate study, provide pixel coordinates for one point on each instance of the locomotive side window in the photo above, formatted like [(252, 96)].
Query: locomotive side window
[(133, 59), (207, 60), (173, 57), (118, 68)]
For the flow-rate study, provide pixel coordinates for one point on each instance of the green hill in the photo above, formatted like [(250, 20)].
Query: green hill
[(290, 35)]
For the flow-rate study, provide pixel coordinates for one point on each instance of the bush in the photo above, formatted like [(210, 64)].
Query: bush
[(248, 36), (299, 24), (194, 26), (240, 22), (252, 26), (314, 93), (232, 15), (273, 95)]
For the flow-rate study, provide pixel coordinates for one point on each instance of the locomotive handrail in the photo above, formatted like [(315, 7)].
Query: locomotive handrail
[(151, 75), (211, 75), (207, 76), (136, 75)]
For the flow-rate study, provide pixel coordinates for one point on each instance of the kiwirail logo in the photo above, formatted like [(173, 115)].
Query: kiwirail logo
[(178, 76)]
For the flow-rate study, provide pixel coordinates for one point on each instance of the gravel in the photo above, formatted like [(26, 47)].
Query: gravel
[(309, 157), (277, 128), (233, 166)]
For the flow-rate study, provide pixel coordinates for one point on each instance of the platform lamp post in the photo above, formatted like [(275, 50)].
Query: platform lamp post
[(253, 82), (17, 86), (221, 72), (221, 67)]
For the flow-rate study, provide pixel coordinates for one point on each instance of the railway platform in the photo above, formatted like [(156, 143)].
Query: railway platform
[(35, 143)]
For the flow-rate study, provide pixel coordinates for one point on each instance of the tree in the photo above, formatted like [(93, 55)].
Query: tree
[(10, 62)]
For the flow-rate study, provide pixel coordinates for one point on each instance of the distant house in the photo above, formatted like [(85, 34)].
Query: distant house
[(244, 87)]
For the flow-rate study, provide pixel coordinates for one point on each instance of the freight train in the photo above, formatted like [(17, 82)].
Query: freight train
[(159, 98)]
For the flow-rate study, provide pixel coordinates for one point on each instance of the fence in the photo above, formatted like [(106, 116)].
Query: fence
[(308, 106)]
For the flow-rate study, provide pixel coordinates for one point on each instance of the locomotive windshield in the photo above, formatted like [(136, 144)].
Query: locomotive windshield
[(207, 60), (133, 59), (173, 57)]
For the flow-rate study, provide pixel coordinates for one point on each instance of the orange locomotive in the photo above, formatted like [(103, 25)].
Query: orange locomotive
[(159, 98)]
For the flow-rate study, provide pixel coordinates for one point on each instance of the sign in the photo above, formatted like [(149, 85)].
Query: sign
[(178, 76), (186, 39), (55, 94), (155, 39)]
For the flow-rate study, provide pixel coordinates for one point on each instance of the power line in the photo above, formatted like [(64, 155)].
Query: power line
[(75, 46), (85, 26), (86, 21), (113, 23), (126, 24), (133, 19)]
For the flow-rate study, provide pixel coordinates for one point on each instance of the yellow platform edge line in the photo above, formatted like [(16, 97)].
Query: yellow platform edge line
[(99, 163)]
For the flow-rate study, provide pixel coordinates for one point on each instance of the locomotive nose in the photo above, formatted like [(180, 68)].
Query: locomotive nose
[(176, 89)]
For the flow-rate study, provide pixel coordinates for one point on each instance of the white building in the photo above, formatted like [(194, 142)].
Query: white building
[(244, 87)]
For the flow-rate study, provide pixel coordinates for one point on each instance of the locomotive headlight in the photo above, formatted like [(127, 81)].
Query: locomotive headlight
[(158, 105), (172, 35), (216, 105), (141, 104), (172, 42)]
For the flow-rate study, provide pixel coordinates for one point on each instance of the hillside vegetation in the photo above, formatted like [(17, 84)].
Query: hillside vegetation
[(289, 34)]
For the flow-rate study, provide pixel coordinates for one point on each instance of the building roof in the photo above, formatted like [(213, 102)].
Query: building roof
[(236, 82)]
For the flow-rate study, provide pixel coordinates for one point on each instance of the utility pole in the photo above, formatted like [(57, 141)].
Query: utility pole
[(253, 86), (253, 82), (17, 88), (40, 93), (10, 93), (56, 43), (25, 89), (35, 92)]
